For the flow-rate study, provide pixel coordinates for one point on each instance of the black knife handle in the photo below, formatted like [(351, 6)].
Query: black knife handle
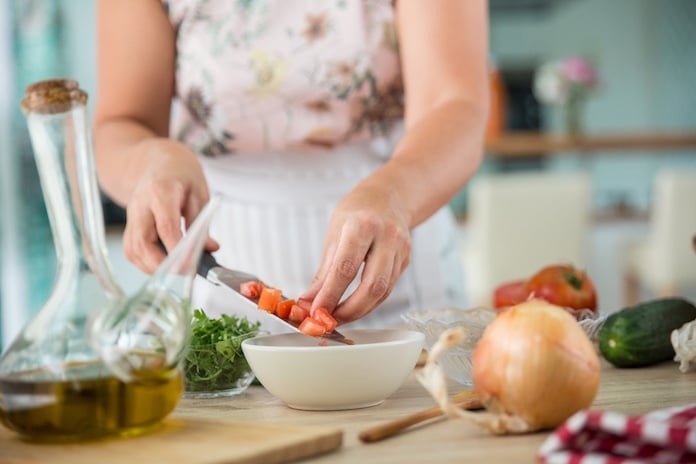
[(205, 264)]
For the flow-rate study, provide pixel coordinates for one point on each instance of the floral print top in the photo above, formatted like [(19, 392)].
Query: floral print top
[(284, 75)]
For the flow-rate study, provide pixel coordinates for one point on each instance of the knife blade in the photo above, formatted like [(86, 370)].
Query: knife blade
[(212, 271)]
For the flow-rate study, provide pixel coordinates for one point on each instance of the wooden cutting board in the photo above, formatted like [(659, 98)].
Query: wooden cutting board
[(185, 441)]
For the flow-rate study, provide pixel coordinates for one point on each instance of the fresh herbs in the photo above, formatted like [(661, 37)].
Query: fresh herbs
[(215, 360)]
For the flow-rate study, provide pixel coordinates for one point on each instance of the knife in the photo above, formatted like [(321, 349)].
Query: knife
[(212, 271)]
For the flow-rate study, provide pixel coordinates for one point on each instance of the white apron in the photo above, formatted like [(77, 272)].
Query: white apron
[(272, 223)]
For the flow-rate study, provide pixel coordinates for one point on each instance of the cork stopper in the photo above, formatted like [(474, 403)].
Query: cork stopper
[(53, 96)]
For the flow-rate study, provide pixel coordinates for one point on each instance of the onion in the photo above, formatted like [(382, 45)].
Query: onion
[(533, 368)]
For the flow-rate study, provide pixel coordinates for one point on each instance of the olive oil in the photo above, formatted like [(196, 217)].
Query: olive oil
[(93, 361), (44, 409)]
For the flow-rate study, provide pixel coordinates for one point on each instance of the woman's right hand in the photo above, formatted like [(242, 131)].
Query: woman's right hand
[(171, 187), (158, 180)]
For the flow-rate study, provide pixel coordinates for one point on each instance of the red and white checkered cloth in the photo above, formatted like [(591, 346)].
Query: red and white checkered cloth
[(665, 436)]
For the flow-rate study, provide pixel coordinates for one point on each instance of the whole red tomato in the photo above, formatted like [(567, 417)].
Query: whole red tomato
[(564, 285), (510, 294)]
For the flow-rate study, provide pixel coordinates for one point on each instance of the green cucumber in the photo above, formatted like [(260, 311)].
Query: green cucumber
[(640, 335)]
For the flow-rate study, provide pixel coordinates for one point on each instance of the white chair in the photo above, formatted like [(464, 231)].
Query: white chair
[(518, 223), (664, 264)]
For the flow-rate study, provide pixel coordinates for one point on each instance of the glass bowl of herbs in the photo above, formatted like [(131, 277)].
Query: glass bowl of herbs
[(215, 365)]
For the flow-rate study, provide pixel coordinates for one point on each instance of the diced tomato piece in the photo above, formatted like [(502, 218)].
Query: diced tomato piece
[(323, 343), (298, 314), (283, 308), (304, 304), (251, 289), (322, 316), (269, 299), (312, 327)]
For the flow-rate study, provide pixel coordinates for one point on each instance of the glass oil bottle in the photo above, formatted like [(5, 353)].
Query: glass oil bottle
[(54, 385)]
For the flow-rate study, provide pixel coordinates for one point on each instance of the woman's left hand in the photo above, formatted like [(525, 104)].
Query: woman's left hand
[(444, 56), (368, 229)]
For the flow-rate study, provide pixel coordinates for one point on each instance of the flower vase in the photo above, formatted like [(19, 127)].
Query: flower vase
[(572, 117)]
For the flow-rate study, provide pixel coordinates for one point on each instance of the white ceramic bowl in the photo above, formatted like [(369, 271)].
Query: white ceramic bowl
[(294, 368)]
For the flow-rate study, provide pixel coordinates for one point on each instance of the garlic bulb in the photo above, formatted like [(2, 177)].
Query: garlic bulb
[(683, 341)]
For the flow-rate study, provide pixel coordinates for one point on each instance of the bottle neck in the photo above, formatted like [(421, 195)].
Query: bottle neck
[(65, 162)]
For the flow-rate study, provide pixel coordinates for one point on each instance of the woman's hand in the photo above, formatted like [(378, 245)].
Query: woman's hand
[(171, 187), (368, 229), (444, 55), (159, 180)]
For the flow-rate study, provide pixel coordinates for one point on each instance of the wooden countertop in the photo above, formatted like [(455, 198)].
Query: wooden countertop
[(527, 144), (629, 391)]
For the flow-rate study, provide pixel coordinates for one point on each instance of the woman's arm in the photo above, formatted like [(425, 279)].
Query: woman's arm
[(158, 180), (444, 57), (444, 52)]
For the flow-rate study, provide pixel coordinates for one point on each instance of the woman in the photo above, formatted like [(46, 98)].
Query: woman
[(336, 149)]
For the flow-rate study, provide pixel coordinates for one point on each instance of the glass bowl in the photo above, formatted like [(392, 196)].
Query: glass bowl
[(219, 369), (456, 362)]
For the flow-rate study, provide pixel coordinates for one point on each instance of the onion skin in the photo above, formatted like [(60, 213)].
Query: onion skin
[(535, 362)]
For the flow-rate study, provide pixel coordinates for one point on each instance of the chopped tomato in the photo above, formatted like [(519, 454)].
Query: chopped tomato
[(322, 316), (304, 304), (323, 343), (251, 289), (269, 299), (283, 308), (298, 314), (312, 327)]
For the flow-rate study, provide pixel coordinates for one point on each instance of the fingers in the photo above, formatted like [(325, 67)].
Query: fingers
[(140, 240), (167, 209), (149, 223), (320, 276), (341, 269), (171, 190), (153, 216), (211, 245), (193, 208), (378, 278), (384, 249)]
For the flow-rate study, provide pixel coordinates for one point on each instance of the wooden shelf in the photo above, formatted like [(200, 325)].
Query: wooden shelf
[(529, 144), (598, 216)]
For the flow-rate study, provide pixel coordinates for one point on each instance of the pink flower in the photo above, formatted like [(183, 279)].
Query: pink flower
[(562, 81), (579, 70)]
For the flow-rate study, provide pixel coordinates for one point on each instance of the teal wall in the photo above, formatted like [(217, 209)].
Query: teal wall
[(80, 43), (645, 51), (28, 259)]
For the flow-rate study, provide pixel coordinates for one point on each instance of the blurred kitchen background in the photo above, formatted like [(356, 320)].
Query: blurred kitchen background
[(633, 144)]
